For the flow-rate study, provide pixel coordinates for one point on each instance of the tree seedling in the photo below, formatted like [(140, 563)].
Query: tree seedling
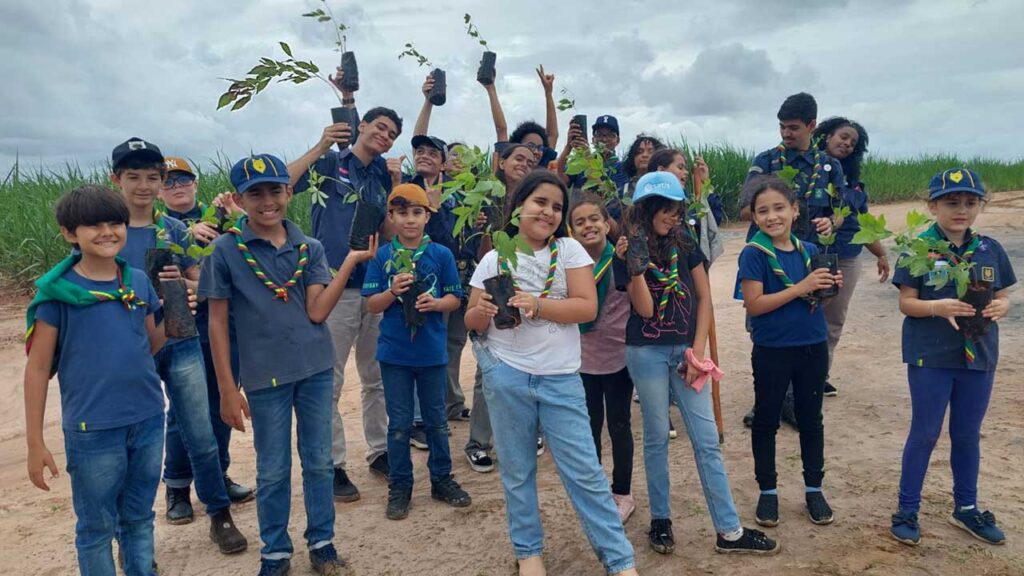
[(438, 94), (486, 73), (401, 263)]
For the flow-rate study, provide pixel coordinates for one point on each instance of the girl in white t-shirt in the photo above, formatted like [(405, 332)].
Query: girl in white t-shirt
[(531, 376)]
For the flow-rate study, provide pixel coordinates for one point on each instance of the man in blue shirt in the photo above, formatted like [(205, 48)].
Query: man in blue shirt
[(341, 180)]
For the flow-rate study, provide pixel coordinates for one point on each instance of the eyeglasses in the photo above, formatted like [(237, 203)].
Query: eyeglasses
[(179, 180), (534, 147)]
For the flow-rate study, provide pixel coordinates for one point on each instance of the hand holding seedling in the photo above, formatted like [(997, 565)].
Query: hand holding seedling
[(997, 309), (360, 256), (621, 245), (171, 272), (395, 169), (401, 282), (481, 221), (427, 303), (226, 200), (819, 280), (39, 457), (337, 81), (486, 306), (883, 268), (823, 226), (203, 232), (546, 80), (234, 409), (700, 169), (577, 139), (527, 303), (950, 308), (339, 133), (428, 85)]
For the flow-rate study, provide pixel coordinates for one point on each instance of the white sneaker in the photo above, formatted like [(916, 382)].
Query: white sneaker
[(626, 505), (540, 445)]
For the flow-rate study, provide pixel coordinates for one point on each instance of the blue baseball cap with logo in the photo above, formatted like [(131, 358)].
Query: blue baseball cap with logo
[(256, 169), (955, 180), (608, 122), (664, 184)]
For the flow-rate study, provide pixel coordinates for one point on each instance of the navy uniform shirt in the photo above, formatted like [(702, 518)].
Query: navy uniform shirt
[(277, 342), (611, 164), (793, 324), (932, 342), (856, 198), (818, 204), (333, 223), (396, 343), (106, 371)]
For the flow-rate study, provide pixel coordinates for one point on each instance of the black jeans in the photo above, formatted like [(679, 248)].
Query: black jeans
[(774, 370), (612, 394)]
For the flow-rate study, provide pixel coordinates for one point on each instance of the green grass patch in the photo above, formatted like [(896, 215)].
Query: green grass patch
[(30, 241)]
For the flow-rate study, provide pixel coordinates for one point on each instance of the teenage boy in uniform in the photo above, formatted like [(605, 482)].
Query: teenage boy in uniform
[(139, 170), (92, 322), (414, 361), (815, 171), (273, 282), (179, 197), (358, 170), (606, 133)]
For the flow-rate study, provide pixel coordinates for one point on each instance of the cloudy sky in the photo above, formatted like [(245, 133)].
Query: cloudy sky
[(922, 76)]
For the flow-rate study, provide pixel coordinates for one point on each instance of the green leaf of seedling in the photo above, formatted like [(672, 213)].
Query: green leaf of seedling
[(843, 211), (194, 252), (788, 175), (521, 245), (566, 104), (916, 220), (226, 98), (287, 49), (350, 198), (176, 249)]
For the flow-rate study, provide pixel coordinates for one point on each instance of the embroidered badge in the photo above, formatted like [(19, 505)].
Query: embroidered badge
[(956, 176), (988, 274), (259, 165), (827, 167)]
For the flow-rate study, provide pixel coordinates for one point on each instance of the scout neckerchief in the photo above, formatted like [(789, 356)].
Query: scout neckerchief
[(602, 278), (669, 279), (933, 233), (815, 172), (53, 287), (280, 292), (762, 242), (417, 253), (550, 280)]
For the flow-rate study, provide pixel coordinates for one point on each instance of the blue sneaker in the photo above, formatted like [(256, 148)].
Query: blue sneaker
[(905, 527), (274, 567), (326, 561), (981, 525)]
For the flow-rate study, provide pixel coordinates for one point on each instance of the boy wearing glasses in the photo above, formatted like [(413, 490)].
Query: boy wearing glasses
[(179, 196)]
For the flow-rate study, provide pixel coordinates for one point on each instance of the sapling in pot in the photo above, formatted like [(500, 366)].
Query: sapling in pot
[(826, 258), (401, 263), (365, 223), (638, 253), (178, 319), (502, 287), (156, 260), (438, 93), (486, 73), (979, 295)]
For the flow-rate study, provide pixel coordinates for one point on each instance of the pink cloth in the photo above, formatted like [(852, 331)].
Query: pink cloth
[(706, 368)]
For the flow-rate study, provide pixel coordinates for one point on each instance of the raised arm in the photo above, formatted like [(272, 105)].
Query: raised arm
[(551, 127), (497, 114), (423, 120)]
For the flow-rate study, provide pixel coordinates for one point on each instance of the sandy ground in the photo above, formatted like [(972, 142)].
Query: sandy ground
[(865, 429)]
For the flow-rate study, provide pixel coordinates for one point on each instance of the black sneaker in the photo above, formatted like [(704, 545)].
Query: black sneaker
[(380, 467), (661, 537), (479, 461), (447, 490), (767, 510), (399, 501), (179, 505), (344, 489), (418, 438), (224, 533), (818, 509), (462, 415), (238, 493), (274, 567), (751, 542), (830, 390), (748, 418), (326, 562), (540, 445)]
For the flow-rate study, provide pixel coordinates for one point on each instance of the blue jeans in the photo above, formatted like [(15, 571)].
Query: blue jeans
[(653, 369), (519, 404), (271, 410), (177, 468), (967, 393), (401, 385), (114, 476), (180, 366)]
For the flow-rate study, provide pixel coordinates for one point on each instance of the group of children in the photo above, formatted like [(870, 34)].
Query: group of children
[(283, 310)]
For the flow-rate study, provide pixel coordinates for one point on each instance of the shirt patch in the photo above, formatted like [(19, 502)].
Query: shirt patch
[(988, 274)]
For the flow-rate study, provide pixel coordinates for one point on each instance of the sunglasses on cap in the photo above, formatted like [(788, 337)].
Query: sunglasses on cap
[(175, 180)]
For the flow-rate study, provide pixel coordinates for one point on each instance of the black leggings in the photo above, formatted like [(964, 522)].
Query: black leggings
[(774, 369), (612, 394)]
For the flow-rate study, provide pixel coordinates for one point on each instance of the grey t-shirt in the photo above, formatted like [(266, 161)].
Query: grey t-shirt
[(277, 342)]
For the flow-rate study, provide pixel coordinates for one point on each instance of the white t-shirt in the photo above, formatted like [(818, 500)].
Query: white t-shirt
[(538, 347)]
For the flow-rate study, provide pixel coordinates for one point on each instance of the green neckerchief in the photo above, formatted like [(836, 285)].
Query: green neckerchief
[(53, 287), (417, 252), (603, 279), (933, 233), (763, 242)]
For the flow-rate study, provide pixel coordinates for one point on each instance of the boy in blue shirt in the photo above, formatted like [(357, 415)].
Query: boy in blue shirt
[(358, 172), (274, 282), (179, 197), (139, 171), (413, 359), (92, 322)]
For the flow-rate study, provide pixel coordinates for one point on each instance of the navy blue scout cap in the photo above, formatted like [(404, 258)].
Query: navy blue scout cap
[(608, 122), (433, 142), (955, 180), (135, 147), (258, 168)]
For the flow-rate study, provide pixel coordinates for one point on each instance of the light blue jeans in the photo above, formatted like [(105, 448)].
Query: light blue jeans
[(519, 404), (653, 369), (271, 409)]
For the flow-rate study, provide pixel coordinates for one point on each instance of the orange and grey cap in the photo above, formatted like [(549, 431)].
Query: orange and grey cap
[(411, 193), (176, 164)]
